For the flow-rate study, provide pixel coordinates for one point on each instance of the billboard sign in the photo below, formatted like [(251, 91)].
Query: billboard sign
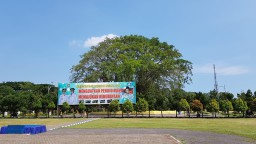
[(96, 93)]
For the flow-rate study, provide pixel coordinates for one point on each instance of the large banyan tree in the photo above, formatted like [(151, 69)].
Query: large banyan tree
[(134, 58)]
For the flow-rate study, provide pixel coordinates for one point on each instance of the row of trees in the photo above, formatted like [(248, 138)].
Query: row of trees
[(27, 97), (188, 102), (127, 107)]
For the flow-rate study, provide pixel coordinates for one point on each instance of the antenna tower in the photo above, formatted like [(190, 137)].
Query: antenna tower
[(215, 80)]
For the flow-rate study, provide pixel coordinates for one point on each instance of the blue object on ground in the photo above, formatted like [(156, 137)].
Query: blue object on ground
[(15, 129), (3, 130), (23, 129)]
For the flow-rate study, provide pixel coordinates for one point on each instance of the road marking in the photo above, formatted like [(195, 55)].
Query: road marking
[(81, 122), (175, 139)]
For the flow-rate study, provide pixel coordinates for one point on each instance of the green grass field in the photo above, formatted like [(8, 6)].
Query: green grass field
[(243, 127)]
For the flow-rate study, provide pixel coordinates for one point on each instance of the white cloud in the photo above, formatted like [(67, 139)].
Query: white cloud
[(221, 70), (93, 41), (76, 43)]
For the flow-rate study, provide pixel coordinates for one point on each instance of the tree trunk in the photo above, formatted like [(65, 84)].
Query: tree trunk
[(136, 113), (108, 112), (74, 112), (48, 115), (176, 113), (84, 113), (36, 114), (162, 113), (228, 113), (149, 113)]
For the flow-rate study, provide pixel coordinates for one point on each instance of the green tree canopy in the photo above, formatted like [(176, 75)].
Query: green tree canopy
[(11, 103), (226, 106), (190, 96), (162, 103), (213, 94), (175, 96), (114, 106), (183, 105), (6, 90), (25, 97), (240, 105), (196, 105), (36, 104), (141, 105), (81, 108), (3, 107), (213, 106), (88, 109), (51, 105), (134, 58), (226, 95), (204, 98), (127, 107), (65, 107), (150, 97), (253, 106)]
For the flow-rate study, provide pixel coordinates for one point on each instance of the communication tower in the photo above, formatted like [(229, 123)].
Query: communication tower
[(215, 79)]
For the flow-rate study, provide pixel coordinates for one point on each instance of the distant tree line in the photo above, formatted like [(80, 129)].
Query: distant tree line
[(26, 97)]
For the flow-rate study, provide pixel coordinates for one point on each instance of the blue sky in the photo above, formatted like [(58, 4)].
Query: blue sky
[(41, 40)]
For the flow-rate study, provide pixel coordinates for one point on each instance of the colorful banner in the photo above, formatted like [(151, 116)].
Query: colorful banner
[(96, 93)]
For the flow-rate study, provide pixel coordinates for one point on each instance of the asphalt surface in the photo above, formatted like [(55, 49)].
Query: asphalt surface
[(150, 136), (62, 135), (124, 136)]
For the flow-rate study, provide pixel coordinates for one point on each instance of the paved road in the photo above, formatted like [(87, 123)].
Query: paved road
[(154, 136), (80, 136), (123, 136)]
